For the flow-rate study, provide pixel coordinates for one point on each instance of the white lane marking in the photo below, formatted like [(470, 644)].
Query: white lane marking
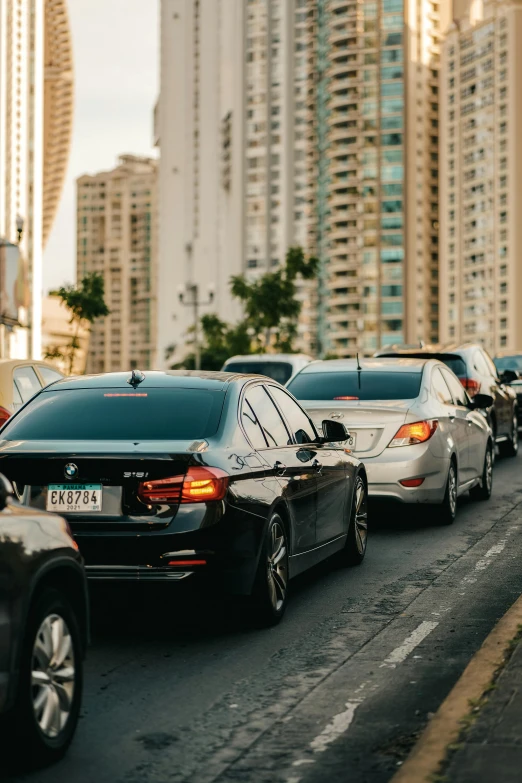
[(409, 644), (338, 725), (484, 562)]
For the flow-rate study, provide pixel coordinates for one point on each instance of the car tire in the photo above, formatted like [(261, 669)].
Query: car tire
[(448, 509), (357, 541), (45, 716), (483, 490), (270, 593), (510, 447)]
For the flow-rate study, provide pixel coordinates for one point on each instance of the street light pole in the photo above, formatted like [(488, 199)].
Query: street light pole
[(195, 303)]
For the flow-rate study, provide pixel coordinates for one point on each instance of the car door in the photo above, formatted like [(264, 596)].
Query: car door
[(453, 421), (330, 465), (293, 466), (464, 420), (502, 396)]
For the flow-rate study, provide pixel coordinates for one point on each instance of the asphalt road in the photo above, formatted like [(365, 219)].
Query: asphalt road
[(339, 691)]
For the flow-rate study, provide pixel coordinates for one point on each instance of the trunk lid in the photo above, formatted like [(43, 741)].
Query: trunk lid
[(372, 423), (119, 468)]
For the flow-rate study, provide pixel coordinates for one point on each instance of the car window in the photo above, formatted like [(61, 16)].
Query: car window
[(26, 380), (440, 388), (353, 385), (480, 364), (509, 363), (267, 414), (252, 426), (456, 388), (118, 414), (279, 371), (456, 365), (302, 428), (17, 399), (48, 374)]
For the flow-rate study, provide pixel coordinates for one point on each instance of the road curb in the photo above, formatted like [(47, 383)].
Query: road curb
[(444, 728)]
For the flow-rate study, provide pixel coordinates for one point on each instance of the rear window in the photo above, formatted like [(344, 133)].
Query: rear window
[(118, 414), (456, 364), (509, 363), (364, 385), (279, 371)]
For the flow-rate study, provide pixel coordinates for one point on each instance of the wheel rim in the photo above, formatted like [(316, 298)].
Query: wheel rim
[(361, 516), (52, 675), (452, 490), (489, 470), (515, 433), (277, 566)]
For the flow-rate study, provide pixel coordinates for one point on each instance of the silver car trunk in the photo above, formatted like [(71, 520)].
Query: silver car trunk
[(373, 423)]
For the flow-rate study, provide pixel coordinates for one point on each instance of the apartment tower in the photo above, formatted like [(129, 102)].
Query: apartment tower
[(36, 108), (231, 126), (116, 237), (481, 176), (373, 170)]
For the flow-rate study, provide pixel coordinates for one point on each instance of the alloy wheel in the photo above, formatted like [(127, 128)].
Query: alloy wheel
[(514, 438), (489, 470), (361, 516), (53, 675), (452, 489), (277, 566)]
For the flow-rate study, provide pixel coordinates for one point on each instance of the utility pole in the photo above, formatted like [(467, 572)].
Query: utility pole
[(193, 301)]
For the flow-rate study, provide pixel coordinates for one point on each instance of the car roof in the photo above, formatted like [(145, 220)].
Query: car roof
[(433, 348), (181, 379), (367, 365), (269, 357)]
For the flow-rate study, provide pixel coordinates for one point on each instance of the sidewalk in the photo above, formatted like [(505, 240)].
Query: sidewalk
[(492, 747)]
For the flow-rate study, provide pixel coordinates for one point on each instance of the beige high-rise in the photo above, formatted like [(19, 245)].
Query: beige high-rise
[(36, 109), (116, 237), (373, 154), (481, 177)]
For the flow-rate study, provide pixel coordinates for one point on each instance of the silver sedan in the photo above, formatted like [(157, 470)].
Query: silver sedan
[(411, 422)]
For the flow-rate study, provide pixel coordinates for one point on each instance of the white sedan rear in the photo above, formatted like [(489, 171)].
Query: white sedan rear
[(421, 438)]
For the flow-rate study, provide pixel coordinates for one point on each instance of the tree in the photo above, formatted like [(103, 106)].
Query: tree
[(86, 302), (271, 307), (220, 340)]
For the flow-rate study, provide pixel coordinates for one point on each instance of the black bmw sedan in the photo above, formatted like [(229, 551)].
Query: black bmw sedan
[(186, 475)]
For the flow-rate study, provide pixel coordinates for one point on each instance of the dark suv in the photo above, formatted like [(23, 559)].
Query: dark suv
[(43, 633), (475, 369)]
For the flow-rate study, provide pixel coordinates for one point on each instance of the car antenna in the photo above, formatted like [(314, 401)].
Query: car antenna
[(136, 378), (359, 368)]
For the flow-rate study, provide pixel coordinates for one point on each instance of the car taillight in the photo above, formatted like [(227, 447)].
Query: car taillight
[(4, 415), (471, 385), (200, 484), (417, 432)]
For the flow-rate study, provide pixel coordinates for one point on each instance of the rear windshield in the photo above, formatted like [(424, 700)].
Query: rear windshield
[(115, 414), (364, 385), (456, 364), (509, 363), (279, 371)]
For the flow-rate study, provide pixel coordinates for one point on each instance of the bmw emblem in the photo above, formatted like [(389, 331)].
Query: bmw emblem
[(70, 470)]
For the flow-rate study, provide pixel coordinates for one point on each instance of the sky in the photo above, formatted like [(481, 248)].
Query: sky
[(116, 62)]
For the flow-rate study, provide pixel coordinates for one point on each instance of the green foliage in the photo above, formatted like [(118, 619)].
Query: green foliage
[(86, 302), (271, 315)]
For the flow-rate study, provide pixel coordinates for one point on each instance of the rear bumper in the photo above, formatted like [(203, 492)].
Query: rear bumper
[(408, 462)]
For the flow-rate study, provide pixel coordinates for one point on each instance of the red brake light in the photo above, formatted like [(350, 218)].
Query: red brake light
[(4, 415), (346, 398), (200, 484), (471, 385), (417, 432)]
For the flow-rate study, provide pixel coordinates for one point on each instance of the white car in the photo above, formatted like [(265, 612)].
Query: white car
[(411, 422), (279, 366)]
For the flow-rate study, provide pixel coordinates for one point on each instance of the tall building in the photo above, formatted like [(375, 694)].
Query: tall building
[(373, 170), (117, 238), (481, 176), (36, 106), (231, 126)]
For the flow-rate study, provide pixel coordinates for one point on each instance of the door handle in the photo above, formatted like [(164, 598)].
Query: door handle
[(317, 465), (279, 468)]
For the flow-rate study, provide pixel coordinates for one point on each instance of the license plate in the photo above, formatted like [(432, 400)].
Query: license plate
[(74, 497), (350, 443)]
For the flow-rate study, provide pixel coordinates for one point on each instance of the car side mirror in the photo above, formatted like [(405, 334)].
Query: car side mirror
[(482, 401), (508, 376), (334, 431), (6, 491)]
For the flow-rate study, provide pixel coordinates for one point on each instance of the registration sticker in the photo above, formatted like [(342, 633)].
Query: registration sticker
[(74, 497)]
